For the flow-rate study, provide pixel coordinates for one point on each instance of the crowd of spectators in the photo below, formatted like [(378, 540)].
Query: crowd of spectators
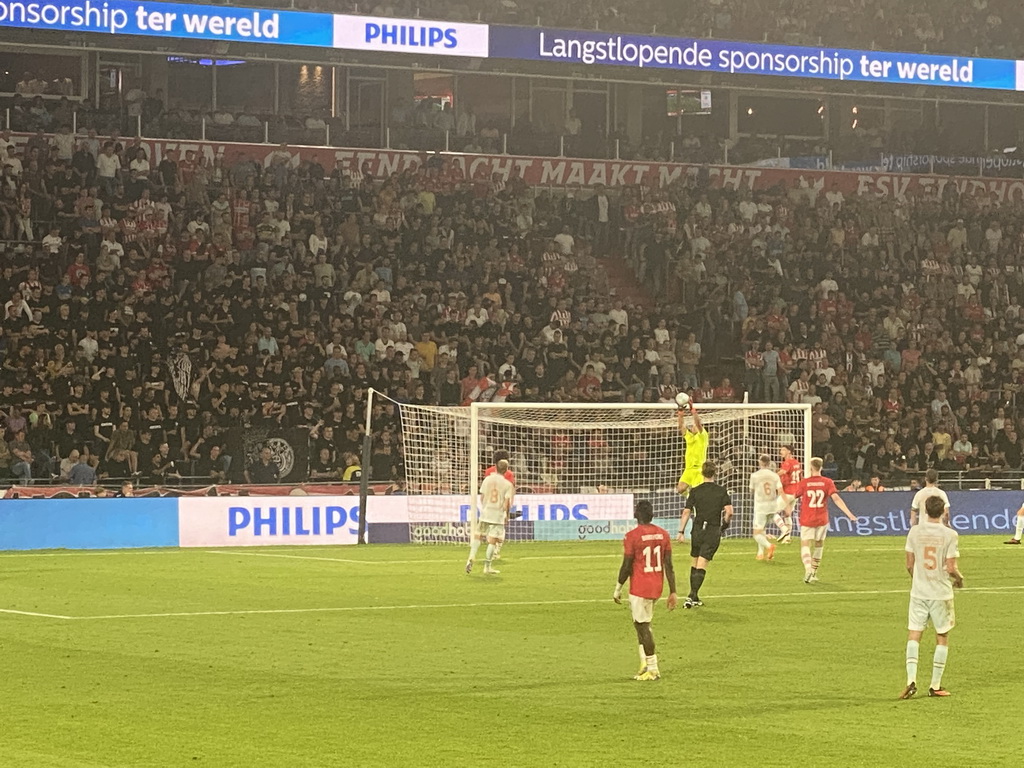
[(290, 289)]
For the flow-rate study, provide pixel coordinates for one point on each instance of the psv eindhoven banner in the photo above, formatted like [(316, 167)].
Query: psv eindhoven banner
[(565, 172)]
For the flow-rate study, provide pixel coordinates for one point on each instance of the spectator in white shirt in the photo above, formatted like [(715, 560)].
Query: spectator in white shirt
[(107, 167), (566, 242)]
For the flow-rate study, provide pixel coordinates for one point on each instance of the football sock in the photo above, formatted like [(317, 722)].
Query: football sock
[(474, 548), (780, 521), (652, 663), (805, 555), (913, 647), (762, 542), (1020, 527), (816, 558), (490, 554), (643, 657), (696, 580), (939, 665), (497, 547)]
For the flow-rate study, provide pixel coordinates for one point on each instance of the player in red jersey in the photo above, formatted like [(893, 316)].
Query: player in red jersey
[(646, 561), (790, 472), (815, 491), (511, 477)]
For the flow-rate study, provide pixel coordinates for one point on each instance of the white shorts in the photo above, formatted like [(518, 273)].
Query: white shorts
[(763, 514), (492, 531), (941, 613), (814, 533), (642, 609)]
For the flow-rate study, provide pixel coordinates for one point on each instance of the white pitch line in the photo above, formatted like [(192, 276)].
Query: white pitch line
[(606, 556), (185, 550), (328, 559), (32, 613), (342, 609), (810, 592), (105, 553)]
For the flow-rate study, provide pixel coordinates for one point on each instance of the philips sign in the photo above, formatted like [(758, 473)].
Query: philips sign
[(251, 25), (454, 509), (360, 33), (260, 521)]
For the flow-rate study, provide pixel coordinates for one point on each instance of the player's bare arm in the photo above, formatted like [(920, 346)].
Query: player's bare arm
[(910, 563), (670, 577), (838, 501), (953, 569), (624, 570), (697, 425)]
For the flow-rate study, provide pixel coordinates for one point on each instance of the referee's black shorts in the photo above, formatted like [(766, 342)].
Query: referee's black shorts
[(704, 542)]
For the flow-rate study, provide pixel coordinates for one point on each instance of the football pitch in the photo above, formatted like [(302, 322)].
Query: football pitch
[(393, 656)]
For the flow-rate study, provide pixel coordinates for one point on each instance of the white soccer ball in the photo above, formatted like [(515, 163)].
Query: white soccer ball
[(682, 399)]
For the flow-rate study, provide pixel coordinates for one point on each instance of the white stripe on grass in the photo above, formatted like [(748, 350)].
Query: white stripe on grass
[(809, 592)]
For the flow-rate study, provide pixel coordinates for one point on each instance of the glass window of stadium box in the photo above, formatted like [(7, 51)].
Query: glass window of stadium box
[(304, 104), (244, 101), (483, 112), (774, 126), (32, 83)]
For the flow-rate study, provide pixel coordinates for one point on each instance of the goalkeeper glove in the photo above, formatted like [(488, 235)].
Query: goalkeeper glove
[(515, 515), (725, 525)]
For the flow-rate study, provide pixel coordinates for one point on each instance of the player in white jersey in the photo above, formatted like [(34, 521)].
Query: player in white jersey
[(495, 499), (1019, 527), (765, 487), (932, 564), (931, 488)]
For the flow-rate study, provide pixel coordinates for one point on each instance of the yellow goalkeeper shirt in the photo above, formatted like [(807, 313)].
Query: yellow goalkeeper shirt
[(696, 449)]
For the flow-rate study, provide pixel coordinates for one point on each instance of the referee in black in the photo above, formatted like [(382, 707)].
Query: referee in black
[(711, 507)]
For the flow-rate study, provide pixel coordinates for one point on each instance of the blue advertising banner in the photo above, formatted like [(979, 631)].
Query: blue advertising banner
[(420, 36), (888, 513), (249, 25), (744, 58), (88, 523)]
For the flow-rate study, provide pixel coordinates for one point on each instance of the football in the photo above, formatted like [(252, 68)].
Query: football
[(682, 399)]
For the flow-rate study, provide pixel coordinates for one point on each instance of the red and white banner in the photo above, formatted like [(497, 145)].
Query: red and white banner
[(565, 172)]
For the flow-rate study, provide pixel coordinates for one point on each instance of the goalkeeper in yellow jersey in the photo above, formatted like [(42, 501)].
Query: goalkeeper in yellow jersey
[(696, 438)]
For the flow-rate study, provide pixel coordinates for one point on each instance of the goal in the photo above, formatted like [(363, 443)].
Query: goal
[(578, 464)]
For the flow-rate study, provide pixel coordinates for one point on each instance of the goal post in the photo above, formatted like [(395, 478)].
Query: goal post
[(580, 462)]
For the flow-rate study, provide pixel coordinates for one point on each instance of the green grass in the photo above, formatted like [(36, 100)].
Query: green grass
[(491, 670)]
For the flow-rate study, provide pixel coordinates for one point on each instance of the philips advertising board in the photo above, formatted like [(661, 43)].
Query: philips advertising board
[(248, 25), (455, 509), (251, 521)]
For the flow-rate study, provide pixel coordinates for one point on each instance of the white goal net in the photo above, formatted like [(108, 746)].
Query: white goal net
[(578, 465)]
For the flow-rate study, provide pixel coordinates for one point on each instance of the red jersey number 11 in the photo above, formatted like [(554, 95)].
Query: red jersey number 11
[(652, 559)]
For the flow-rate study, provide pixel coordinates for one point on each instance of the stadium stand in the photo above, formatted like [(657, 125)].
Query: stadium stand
[(151, 309)]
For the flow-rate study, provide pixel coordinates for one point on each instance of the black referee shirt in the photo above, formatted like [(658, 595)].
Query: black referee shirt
[(707, 502)]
